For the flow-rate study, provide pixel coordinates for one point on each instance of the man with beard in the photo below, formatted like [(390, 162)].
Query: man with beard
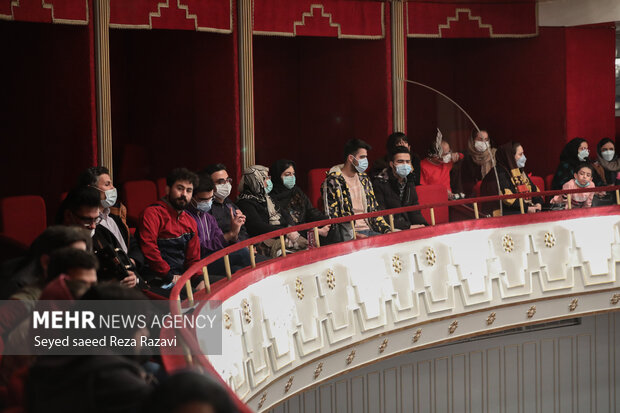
[(168, 234)]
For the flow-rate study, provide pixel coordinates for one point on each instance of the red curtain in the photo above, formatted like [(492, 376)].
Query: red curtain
[(201, 15), (482, 19), (50, 11), (329, 18)]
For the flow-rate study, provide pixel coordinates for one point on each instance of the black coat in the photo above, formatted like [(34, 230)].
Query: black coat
[(257, 217), (387, 192)]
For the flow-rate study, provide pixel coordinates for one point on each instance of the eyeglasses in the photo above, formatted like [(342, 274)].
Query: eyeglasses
[(88, 221), (224, 181)]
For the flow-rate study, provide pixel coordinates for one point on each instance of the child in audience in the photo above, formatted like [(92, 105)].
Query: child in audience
[(582, 179)]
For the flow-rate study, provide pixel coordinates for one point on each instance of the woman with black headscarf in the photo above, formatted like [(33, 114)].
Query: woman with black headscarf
[(608, 162), (574, 153), (512, 179), (290, 198)]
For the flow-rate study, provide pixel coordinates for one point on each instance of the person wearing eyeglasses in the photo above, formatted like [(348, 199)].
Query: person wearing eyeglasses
[(81, 208)]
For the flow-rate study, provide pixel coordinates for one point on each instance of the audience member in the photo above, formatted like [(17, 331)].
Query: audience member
[(582, 178), (290, 198), (113, 214), (608, 161), (347, 191), (394, 188), (395, 140), (435, 168), (209, 233), (512, 180), (263, 215), (574, 153), (189, 392), (81, 208), (222, 205), (478, 161), (31, 270), (168, 234)]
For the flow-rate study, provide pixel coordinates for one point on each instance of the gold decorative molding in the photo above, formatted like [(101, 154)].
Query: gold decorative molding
[(491, 318), (331, 279), (431, 257), (615, 299), (227, 321), (246, 82), (288, 385), (417, 335), (398, 64), (573, 304), (262, 400), (383, 346), (549, 240), (318, 370), (397, 264), (508, 244), (102, 73), (350, 357), (247, 311), (299, 288), (453, 326), (531, 311)]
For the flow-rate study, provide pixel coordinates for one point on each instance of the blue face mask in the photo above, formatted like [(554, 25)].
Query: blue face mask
[(583, 154), (403, 170), (521, 161), (204, 206), (289, 181), (362, 165), (269, 186), (579, 184)]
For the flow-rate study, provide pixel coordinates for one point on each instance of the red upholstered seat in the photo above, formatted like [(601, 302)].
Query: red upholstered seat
[(138, 195), (432, 194), (548, 181), (315, 180), (538, 181), (161, 187), (22, 218)]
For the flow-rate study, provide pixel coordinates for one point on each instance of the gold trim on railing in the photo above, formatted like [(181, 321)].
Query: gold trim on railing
[(476, 213), (227, 266), (252, 256), (190, 293), (283, 245), (205, 276), (433, 216), (521, 206), (391, 216), (317, 241), (569, 201)]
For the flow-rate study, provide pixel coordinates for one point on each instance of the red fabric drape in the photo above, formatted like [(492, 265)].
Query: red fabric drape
[(201, 15), (50, 11), (457, 19), (328, 18)]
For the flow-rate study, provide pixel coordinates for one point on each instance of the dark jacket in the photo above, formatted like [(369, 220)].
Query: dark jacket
[(133, 247), (221, 212), (380, 164), (568, 162), (387, 192), (257, 217), (86, 384)]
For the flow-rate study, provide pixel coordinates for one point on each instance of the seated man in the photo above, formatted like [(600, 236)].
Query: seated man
[(395, 188), (82, 208), (113, 213), (168, 234), (396, 140), (347, 191), (209, 233), (436, 167)]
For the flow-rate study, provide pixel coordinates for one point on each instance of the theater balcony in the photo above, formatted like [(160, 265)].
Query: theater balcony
[(418, 320)]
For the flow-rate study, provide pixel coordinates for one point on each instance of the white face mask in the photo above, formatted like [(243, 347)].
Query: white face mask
[(481, 146), (608, 155), (447, 158), (222, 190), (110, 198), (583, 154)]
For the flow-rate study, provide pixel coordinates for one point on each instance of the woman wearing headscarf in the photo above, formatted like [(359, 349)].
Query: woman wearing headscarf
[(290, 198), (512, 180), (479, 160), (574, 153), (262, 214), (608, 162)]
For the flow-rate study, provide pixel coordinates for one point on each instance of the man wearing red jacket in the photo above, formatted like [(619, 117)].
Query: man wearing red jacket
[(168, 235)]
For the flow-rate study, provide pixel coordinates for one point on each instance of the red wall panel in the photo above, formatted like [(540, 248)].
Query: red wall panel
[(173, 101), (312, 94), (45, 108)]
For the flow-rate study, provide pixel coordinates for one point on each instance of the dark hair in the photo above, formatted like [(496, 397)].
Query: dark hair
[(353, 145), (398, 149), (394, 139), (91, 175), (474, 133), (578, 167), (82, 196), (603, 142), (570, 152), (213, 168), (182, 174), (205, 183), (189, 387), (55, 237), (515, 145), (66, 259)]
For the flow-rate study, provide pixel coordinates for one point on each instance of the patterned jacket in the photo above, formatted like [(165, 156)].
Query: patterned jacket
[(338, 203)]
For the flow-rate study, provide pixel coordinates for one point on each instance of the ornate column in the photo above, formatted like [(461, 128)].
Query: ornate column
[(102, 69), (398, 63), (246, 82)]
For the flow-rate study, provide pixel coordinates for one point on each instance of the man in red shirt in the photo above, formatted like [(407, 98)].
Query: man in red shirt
[(168, 234)]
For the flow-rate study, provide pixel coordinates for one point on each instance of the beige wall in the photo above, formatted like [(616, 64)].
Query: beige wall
[(577, 12)]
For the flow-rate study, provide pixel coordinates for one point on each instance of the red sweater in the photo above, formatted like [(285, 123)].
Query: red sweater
[(435, 174)]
